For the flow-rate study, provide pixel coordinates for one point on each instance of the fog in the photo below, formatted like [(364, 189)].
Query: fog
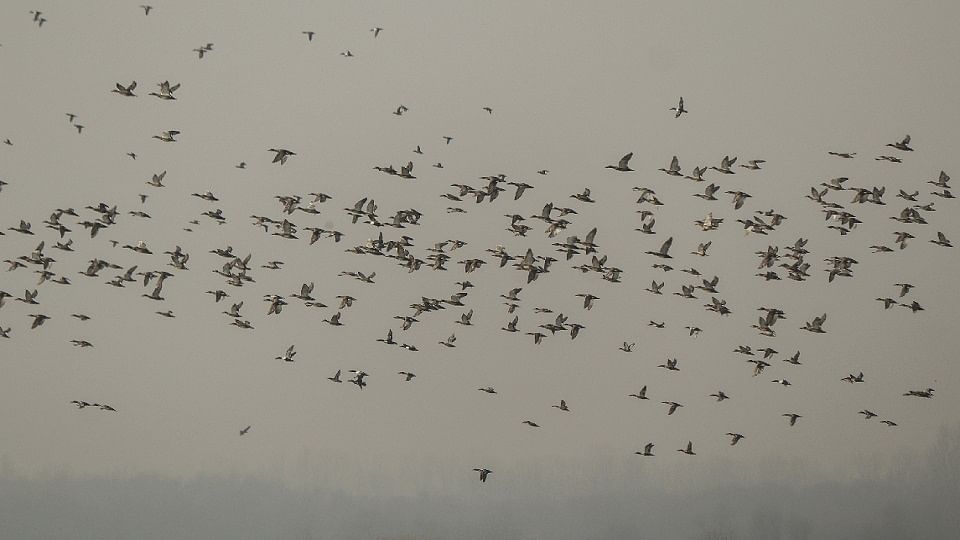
[(211, 435), (915, 497)]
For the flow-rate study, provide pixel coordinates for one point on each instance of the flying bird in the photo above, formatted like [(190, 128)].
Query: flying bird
[(281, 155), (647, 450), (483, 473), (679, 108), (622, 166)]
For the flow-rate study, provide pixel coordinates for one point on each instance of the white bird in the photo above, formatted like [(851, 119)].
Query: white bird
[(167, 136)]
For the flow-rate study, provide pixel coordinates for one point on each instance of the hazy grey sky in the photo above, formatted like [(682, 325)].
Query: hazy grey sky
[(573, 87)]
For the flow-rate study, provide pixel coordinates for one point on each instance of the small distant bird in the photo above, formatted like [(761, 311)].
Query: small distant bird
[(449, 341), (335, 378), (647, 450), (622, 165), (793, 418), (38, 320), (167, 136), (488, 109), (942, 240), (281, 155), (166, 91), (562, 406), (902, 145), (679, 108), (673, 406), (720, 395), (904, 288), (735, 438), (407, 375), (928, 393), (288, 355), (664, 251), (688, 450), (753, 164), (124, 90), (483, 474), (815, 325), (887, 302), (913, 306), (309, 34), (376, 31), (146, 11), (448, 139), (244, 431)]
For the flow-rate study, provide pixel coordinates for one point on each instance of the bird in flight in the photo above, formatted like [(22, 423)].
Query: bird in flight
[(622, 166), (167, 136), (281, 155), (483, 473), (166, 91), (309, 34), (125, 90), (679, 109), (647, 450), (244, 431), (903, 145)]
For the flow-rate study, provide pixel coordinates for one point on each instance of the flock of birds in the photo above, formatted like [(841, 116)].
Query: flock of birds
[(238, 271)]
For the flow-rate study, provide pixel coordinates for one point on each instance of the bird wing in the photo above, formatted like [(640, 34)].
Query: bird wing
[(666, 246), (590, 236)]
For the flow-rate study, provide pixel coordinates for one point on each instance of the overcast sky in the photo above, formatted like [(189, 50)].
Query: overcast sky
[(573, 87)]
